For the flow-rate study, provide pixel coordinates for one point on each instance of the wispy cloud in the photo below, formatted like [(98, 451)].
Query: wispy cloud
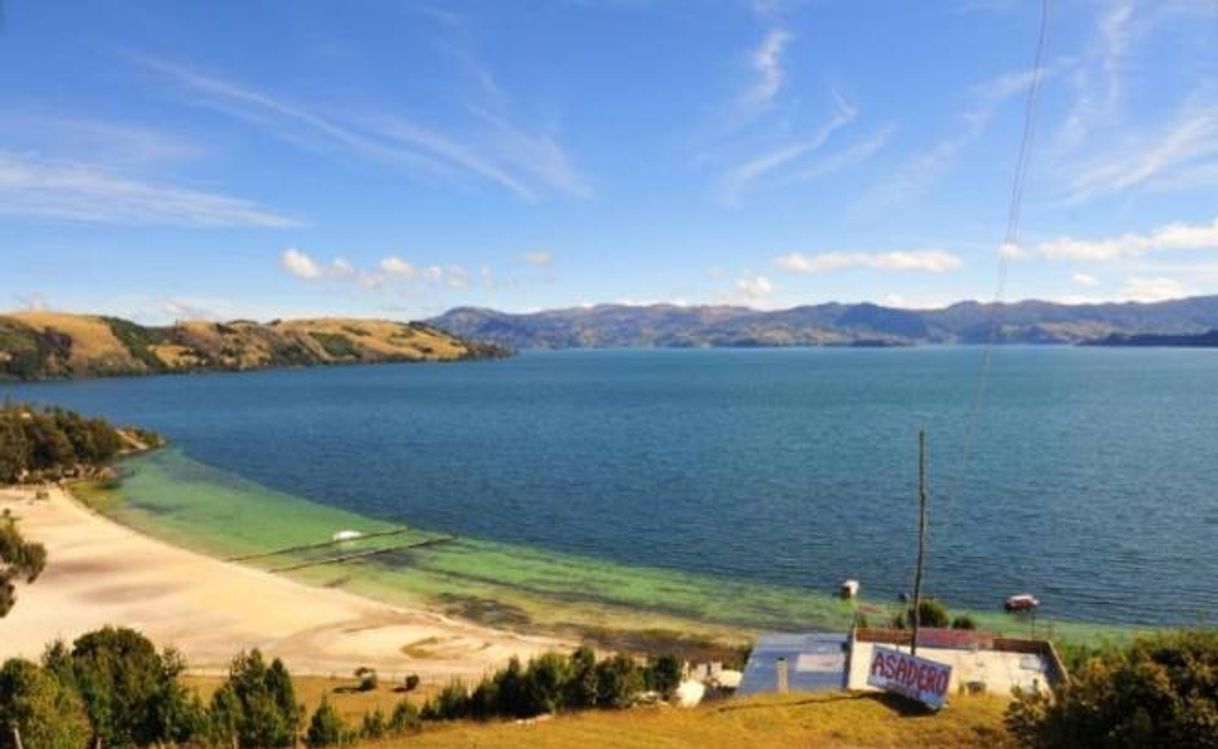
[(856, 153), (929, 261), (1184, 151), (1177, 236), (302, 265), (923, 167), (739, 179), (390, 273), (767, 63), (1154, 289), (1084, 279), (41, 188), (498, 152)]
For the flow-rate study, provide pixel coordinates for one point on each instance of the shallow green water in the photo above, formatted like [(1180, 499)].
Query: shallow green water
[(173, 497)]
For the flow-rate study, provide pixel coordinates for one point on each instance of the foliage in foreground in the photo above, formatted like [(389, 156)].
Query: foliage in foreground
[(19, 559), (553, 683), (1160, 691), (112, 688)]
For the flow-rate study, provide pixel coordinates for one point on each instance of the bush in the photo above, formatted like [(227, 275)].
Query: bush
[(405, 718), (326, 727), (367, 679), (964, 621), (256, 706), (664, 674), (618, 680), (451, 703), (1159, 691), (411, 683), (374, 726), (931, 613), (47, 712)]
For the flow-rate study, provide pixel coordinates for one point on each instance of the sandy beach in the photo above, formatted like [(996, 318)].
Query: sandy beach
[(100, 572)]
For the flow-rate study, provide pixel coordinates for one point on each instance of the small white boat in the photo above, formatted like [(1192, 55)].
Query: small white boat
[(849, 589), (346, 536), (1022, 602)]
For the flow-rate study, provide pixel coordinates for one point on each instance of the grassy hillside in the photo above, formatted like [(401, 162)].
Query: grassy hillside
[(832, 721), (48, 345)]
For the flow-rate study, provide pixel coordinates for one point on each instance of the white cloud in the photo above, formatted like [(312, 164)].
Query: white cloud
[(767, 62), (1177, 236), (1154, 289), (538, 257), (488, 278), (754, 286), (1011, 251), (396, 266), (299, 264), (931, 261), (39, 188), (1085, 279)]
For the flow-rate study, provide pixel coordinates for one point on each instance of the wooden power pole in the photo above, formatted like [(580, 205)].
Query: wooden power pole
[(917, 596)]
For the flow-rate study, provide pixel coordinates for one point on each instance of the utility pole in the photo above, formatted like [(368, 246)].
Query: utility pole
[(917, 596)]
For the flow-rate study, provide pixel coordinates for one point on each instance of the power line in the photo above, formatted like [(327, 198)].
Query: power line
[(1010, 244)]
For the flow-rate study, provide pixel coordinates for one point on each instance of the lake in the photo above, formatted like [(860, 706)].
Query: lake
[(1091, 478)]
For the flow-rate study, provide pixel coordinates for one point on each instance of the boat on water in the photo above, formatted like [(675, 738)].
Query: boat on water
[(1022, 602)]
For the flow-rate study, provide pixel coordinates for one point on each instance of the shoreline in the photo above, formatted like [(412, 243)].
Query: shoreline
[(101, 572)]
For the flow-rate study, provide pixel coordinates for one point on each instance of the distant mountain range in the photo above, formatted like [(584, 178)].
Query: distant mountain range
[(47, 345), (666, 325)]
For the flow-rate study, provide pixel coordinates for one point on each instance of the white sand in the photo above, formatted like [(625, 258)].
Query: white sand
[(99, 572)]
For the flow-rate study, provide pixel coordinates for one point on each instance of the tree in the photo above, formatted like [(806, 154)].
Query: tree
[(1160, 691), (132, 693), (405, 718), (18, 559), (543, 685), (664, 674), (44, 711), (256, 706), (617, 681), (373, 725), (581, 687), (326, 727)]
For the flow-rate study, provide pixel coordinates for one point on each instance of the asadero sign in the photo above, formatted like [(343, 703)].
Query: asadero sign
[(916, 678)]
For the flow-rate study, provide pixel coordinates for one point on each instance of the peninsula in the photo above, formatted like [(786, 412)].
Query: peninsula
[(53, 345)]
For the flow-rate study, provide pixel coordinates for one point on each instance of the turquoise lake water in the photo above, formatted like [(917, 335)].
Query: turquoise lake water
[(1092, 481)]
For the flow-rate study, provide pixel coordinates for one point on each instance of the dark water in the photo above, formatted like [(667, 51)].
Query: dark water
[(1092, 481)]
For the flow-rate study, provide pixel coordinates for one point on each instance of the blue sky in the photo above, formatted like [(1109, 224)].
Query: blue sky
[(162, 160)]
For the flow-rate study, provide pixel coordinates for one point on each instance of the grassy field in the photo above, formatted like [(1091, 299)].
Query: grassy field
[(833, 721)]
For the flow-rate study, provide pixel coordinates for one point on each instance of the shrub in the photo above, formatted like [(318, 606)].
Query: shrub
[(618, 680), (964, 621), (931, 613), (256, 706), (326, 727), (374, 725), (18, 559), (367, 679), (405, 718), (664, 674), (451, 703), (411, 683), (580, 690), (1159, 691)]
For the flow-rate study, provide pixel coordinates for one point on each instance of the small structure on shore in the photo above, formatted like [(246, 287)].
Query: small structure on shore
[(820, 661), (849, 589)]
